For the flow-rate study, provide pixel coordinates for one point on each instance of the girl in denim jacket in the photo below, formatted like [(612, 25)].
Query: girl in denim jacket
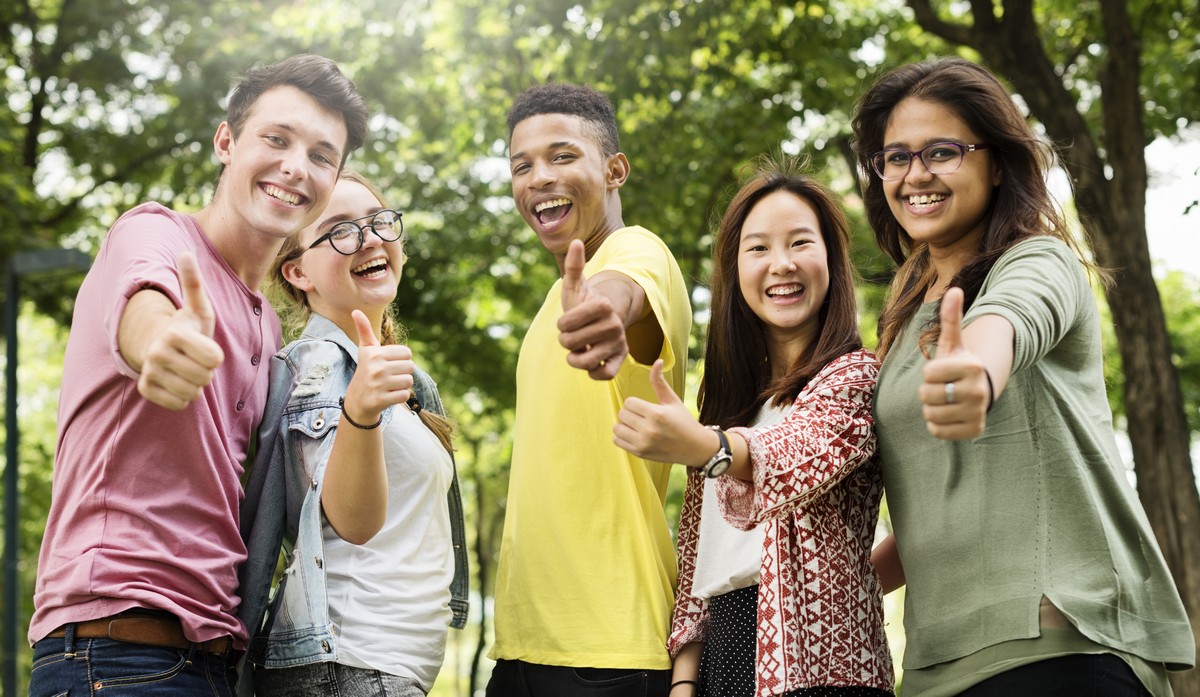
[(372, 511)]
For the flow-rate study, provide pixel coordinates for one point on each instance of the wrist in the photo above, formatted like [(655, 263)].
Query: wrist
[(364, 424), (722, 455), (695, 687)]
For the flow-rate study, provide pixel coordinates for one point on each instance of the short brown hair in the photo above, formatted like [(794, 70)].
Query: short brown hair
[(316, 76)]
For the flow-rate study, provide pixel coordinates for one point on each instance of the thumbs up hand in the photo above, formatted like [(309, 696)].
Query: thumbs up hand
[(383, 377), (181, 359), (590, 328), (663, 432), (955, 391), (574, 285)]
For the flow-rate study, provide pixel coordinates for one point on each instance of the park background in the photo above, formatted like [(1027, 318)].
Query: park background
[(112, 102)]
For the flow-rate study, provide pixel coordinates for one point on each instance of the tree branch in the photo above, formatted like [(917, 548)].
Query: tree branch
[(929, 21), (122, 174)]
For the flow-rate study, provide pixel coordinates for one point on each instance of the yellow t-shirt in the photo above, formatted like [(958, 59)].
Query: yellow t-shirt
[(587, 565)]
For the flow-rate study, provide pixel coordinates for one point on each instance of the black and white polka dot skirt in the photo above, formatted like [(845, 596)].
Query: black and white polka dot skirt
[(727, 664)]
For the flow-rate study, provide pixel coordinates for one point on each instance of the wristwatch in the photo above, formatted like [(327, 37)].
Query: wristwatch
[(718, 463)]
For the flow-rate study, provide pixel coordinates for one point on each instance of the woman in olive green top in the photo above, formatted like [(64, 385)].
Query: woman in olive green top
[(1030, 566)]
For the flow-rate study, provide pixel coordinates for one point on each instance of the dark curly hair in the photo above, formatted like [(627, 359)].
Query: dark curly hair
[(573, 100)]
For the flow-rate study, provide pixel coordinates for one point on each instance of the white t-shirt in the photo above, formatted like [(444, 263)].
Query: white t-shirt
[(389, 599), (728, 559)]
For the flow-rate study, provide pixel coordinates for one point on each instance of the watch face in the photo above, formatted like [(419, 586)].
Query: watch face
[(718, 468)]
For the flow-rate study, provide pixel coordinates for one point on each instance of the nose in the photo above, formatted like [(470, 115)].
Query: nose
[(541, 175), (294, 163), (917, 171), (371, 239), (782, 262)]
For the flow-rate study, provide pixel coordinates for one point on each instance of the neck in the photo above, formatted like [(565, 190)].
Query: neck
[(346, 323), (249, 256), (947, 262), (592, 244), (783, 352)]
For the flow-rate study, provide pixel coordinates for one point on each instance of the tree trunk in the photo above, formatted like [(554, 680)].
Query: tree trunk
[(483, 563), (1113, 209)]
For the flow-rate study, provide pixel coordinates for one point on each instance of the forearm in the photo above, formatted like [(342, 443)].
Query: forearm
[(886, 560), (627, 297), (686, 667), (991, 339), (355, 485), (146, 314)]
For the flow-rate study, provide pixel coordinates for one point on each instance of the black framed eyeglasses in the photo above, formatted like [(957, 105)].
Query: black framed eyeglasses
[(940, 158), (347, 236)]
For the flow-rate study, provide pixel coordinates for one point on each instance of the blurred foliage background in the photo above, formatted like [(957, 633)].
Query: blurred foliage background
[(112, 102)]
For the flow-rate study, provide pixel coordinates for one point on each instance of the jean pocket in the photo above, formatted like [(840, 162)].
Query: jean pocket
[(609, 677), (120, 664)]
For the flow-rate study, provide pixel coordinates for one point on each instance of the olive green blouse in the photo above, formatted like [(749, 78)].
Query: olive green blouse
[(1038, 506)]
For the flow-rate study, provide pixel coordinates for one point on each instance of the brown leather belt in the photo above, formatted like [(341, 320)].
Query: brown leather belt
[(148, 631)]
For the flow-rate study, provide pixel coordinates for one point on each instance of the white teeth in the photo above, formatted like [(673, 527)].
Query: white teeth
[(285, 196), (925, 199), (779, 291), (551, 204), (377, 264)]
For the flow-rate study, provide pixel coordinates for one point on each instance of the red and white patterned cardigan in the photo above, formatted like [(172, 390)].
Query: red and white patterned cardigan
[(816, 490)]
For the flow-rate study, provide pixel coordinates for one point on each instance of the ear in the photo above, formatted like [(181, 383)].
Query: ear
[(293, 273), (618, 170), (997, 174), (223, 143)]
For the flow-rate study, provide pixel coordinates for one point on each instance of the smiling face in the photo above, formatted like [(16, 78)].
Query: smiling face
[(281, 168), (783, 272), (562, 183), (336, 284), (946, 211)]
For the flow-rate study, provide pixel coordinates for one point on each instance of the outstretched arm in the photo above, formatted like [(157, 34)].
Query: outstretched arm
[(605, 318), (171, 348), (967, 374), (667, 431)]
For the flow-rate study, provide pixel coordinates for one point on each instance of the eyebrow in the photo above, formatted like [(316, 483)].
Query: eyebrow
[(346, 218), (927, 143), (553, 146), (802, 229)]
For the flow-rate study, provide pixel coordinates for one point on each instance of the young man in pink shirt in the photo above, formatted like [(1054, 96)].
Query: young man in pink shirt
[(164, 382)]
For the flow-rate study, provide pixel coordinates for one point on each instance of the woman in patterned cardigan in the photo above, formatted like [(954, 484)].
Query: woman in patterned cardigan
[(777, 595)]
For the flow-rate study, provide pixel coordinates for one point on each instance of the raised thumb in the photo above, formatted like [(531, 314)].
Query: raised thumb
[(662, 390), (950, 338), (366, 335), (574, 287), (195, 300)]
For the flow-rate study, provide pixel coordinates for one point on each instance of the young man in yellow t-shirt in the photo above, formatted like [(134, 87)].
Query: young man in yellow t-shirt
[(587, 566)]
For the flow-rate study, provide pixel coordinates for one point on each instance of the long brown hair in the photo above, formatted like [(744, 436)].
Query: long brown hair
[(737, 376), (1021, 206), (297, 311)]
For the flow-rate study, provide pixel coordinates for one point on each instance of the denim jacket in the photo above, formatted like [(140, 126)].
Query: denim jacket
[(307, 378)]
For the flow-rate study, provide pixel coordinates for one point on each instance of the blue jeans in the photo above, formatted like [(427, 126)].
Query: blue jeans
[(320, 679), (523, 679), (70, 666)]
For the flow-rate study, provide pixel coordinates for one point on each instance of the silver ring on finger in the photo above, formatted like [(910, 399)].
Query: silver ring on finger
[(949, 393)]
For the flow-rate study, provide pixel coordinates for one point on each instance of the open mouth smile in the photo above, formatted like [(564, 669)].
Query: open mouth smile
[(371, 269), (553, 211)]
